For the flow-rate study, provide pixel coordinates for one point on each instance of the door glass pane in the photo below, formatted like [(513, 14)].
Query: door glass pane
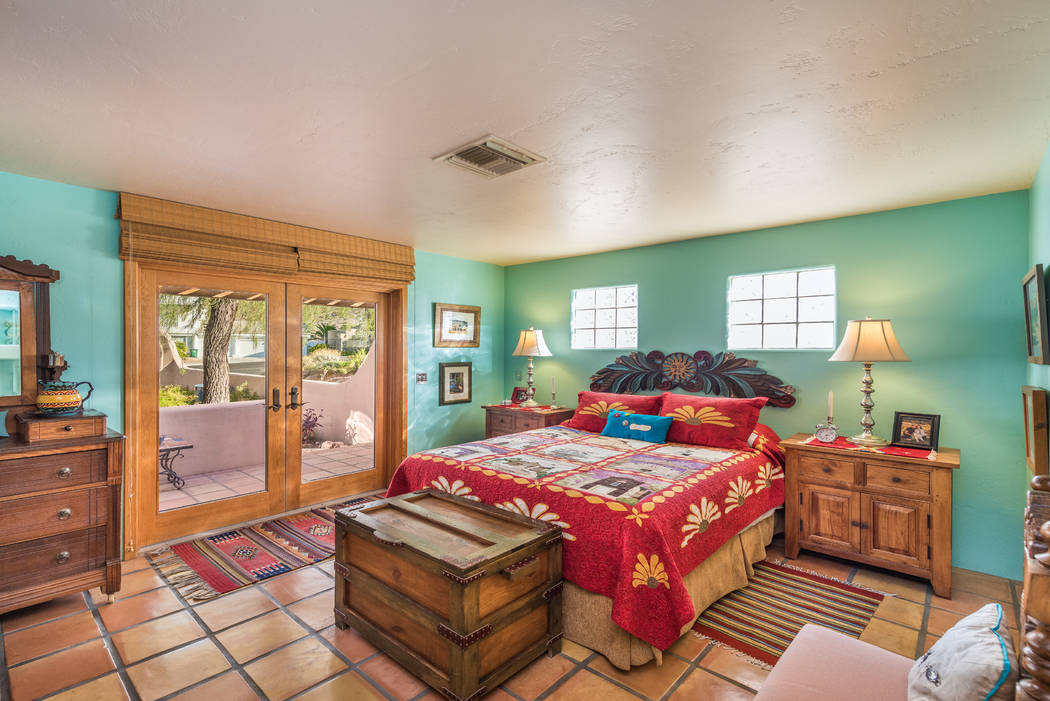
[(212, 384), (338, 387), (10, 344)]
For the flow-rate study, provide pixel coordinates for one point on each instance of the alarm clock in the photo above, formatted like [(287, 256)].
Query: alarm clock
[(826, 433)]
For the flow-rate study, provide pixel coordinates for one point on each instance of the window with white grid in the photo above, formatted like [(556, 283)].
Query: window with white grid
[(605, 317), (794, 309)]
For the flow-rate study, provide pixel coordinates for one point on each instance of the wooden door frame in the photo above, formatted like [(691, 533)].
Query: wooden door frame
[(140, 444), (302, 494)]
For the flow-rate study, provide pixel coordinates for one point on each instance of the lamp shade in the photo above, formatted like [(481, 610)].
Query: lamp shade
[(531, 343), (870, 341)]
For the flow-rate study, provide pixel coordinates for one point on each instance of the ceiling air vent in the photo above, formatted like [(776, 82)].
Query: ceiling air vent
[(491, 156)]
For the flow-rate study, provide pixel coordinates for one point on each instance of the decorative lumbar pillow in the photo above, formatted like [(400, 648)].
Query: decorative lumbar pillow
[(713, 421), (593, 408), (640, 427), (973, 660)]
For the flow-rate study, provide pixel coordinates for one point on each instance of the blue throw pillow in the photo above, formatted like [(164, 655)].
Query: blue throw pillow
[(640, 427)]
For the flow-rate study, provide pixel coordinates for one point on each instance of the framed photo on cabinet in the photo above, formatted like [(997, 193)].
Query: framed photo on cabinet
[(456, 326), (911, 430), (456, 383), (1034, 288), (1035, 430)]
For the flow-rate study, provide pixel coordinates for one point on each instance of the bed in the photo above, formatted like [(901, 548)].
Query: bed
[(653, 532)]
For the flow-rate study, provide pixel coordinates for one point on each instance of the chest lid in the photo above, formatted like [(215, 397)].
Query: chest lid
[(457, 532)]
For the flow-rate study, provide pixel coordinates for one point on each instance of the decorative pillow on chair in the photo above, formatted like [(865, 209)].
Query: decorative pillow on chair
[(640, 427), (592, 410), (973, 660), (713, 421)]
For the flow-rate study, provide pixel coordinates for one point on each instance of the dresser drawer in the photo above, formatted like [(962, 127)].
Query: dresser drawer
[(817, 468), (60, 428), (501, 421), (43, 472), (897, 479), (526, 420), (48, 559), (33, 517)]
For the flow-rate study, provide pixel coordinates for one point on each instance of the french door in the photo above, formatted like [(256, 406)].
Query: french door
[(250, 397)]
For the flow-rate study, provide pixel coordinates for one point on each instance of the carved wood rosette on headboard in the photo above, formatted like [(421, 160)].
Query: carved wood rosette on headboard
[(721, 374)]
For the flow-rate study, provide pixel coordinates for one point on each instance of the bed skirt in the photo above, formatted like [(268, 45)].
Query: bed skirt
[(588, 616)]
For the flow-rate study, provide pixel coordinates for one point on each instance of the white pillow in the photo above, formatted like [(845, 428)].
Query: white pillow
[(973, 660)]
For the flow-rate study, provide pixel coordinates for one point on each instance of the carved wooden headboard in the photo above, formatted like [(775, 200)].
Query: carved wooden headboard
[(722, 374)]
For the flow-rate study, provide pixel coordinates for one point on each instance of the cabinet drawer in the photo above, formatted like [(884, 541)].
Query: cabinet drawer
[(501, 421), (821, 469), (33, 517), (53, 429), (36, 474), (48, 559), (897, 479), (526, 420)]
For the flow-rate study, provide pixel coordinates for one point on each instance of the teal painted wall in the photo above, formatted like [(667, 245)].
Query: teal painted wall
[(1039, 246), (452, 281), (72, 229), (946, 274)]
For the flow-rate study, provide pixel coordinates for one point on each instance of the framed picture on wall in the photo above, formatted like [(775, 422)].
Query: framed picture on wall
[(1035, 430), (912, 430), (456, 326), (456, 385), (1034, 288)]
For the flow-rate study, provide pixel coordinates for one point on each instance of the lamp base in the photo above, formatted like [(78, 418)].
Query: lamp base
[(529, 403), (870, 441)]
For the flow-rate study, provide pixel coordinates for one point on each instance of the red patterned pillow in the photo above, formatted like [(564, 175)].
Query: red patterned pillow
[(593, 408), (714, 421)]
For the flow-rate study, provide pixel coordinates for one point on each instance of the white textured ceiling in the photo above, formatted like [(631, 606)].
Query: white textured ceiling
[(660, 120)]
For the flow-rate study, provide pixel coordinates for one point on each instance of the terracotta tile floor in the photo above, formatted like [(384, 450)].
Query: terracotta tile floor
[(223, 484), (276, 640)]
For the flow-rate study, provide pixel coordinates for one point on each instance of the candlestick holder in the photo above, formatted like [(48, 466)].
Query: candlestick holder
[(554, 400)]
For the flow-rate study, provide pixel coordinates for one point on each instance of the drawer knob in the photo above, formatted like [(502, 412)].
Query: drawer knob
[(64, 514), (64, 473), (826, 469), (895, 479), (67, 427), (62, 558)]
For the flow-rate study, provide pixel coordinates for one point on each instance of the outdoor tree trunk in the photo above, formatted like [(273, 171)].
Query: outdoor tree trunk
[(217, 333)]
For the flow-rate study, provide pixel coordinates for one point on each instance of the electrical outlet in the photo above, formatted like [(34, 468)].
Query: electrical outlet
[(421, 378), (517, 375)]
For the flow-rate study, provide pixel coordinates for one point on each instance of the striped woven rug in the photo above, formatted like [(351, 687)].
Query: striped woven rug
[(204, 568), (761, 619)]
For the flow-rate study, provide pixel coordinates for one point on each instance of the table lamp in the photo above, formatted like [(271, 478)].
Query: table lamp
[(531, 343), (869, 341)]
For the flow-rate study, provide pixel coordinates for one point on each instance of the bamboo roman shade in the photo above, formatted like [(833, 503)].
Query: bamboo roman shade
[(162, 231)]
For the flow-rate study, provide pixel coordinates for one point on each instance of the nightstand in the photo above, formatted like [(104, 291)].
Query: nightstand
[(500, 420), (884, 510)]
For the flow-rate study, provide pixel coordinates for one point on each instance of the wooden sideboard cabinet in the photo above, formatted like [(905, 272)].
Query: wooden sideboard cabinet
[(501, 420), (888, 511), (59, 517)]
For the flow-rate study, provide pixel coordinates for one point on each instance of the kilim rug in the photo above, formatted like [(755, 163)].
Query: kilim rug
[(761, 619), (205, 568)]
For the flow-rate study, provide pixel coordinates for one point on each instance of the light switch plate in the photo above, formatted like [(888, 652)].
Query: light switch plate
[(421, 378)]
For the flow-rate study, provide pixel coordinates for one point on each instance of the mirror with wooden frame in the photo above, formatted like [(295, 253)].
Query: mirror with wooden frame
[(25, 332)]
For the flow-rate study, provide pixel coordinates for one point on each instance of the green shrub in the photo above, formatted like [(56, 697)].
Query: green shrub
[(182, 348), (176, 395), (326, 363), (243, 393)]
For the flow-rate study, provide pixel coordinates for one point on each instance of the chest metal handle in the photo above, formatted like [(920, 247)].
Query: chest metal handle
[(826, 469), (64, 473), (62, 558), (67, 427), (64, 514)]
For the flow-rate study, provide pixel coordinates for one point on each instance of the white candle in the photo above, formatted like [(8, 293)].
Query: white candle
[(552, 384), (831, 404)]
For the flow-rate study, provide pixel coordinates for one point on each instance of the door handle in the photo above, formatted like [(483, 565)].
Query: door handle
[(276, 406), (295, 400)]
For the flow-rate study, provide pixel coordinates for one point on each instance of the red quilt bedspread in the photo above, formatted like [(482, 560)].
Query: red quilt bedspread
[(635, 516)]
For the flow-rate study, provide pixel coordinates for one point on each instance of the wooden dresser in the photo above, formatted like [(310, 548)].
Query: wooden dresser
[(501, 420), (881, 510), (60, 510)]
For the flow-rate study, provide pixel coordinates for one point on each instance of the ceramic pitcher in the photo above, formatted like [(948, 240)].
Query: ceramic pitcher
[(61, 398)]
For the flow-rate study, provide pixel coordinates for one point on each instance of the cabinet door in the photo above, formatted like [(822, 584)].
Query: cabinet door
[(830, 517), (895, 529)]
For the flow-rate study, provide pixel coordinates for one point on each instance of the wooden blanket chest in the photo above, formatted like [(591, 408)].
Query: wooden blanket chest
[(462, 594)]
